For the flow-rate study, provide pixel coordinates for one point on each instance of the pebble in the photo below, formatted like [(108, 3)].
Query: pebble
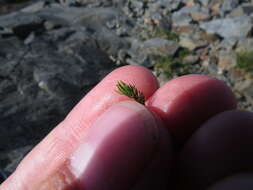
[(160, 47), (236, 27), (191, 43)]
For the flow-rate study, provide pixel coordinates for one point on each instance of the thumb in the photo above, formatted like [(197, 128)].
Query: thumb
[(117, 152)]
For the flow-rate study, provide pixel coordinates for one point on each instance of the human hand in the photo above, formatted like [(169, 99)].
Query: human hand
[(109, 142)]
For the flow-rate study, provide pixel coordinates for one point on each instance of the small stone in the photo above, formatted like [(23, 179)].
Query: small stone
[(210, 66), (227, 61), (246, 87), (183, 16), (122, 32), (210, 38), (237, 12), (237, 27), (190, 59), (244, 45), (248, 10), (189, 9), (34, 7), (181, 19), (236, 74), (215, 7), (111, 24), (229, 5), (190, 3), (190, 29), (228, 44), (200, 16), (136, 8), (160, 47), (29, 39), (190, 43), (205, 2), (49, 25)]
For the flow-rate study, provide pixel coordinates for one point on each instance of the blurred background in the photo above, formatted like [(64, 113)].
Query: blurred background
[(52, 52)]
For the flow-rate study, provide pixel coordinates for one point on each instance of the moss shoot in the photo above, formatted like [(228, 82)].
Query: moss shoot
[(245, 61)]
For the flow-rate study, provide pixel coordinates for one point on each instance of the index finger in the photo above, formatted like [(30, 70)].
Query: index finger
[(52, 152)]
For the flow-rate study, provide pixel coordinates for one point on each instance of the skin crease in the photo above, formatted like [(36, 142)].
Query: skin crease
[(51, 154)]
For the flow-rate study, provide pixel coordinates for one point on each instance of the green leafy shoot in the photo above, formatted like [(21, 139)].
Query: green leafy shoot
[(130, 91)]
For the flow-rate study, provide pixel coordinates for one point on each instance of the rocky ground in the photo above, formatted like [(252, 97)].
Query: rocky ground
[(53, 51)]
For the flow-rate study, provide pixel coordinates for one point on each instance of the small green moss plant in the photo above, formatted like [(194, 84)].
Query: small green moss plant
[(182, 53), (167, 65), (245, 61), (173, 66), (130, 91), (160, 33), (167, 34)]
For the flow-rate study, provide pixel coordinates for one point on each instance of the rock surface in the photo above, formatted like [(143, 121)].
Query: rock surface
[(52, 52), (237, 27)]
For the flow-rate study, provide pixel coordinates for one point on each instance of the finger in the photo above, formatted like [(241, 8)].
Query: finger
[(158, 175), (114, 153), (221, 147), (52, 152), (242, 181), (186, 102)]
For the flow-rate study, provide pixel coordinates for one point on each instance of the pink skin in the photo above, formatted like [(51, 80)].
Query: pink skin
[(58, 146), (186, 102), (178, 103), (118, 153)]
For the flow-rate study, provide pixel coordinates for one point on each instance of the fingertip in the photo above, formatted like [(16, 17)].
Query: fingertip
[(104, 95), (140, 76), (186, 102)]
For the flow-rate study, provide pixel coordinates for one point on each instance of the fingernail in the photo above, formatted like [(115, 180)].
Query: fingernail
[(116, 149)]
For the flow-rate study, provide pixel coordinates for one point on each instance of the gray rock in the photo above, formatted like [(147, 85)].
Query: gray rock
[(237, 12), (229, 5), (134, 8), (246, 87), (237, 27), (191, 43), (244, 45), (45, 71), (183, 16), (190, 59), (189, 9), (181, 19), (142, 53), (228, 44), (244, 9), (15, 156), (210, 67), (200, 16), (34, 7), (227, 61), (159, 47), (205, 2), (248, 9)]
